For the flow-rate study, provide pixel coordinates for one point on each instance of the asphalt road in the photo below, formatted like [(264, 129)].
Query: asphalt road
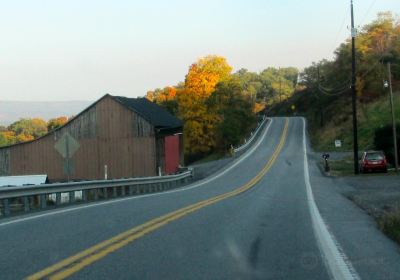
[(265, 228)]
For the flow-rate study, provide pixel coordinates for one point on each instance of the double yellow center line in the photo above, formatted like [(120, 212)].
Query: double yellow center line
[(73, 264)]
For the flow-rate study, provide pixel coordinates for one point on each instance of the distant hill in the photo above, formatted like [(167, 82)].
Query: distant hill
[(11, 111)]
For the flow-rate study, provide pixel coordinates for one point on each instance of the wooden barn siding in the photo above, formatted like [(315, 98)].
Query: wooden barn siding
[(125, 153), (107, 134), (4, 162)]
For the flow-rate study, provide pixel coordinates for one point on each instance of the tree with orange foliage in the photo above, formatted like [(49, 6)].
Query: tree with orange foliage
[(24, 138), (199, 122), (35, 127), (165, 97), (7, 138), (56, 123)]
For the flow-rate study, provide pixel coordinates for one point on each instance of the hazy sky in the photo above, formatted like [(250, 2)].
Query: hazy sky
[(80, 50)]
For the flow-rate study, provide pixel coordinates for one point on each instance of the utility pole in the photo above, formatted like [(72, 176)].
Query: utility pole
[(396, 160), (320, 99), (353, 90)]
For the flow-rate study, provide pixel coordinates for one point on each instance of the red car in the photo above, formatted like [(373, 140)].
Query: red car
[(373, 161)]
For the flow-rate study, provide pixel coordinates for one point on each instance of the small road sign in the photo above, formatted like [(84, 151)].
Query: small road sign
[(338, 143), (67, 145)]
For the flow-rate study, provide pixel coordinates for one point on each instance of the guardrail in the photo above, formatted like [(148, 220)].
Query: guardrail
[(252, 137), (38, 197)]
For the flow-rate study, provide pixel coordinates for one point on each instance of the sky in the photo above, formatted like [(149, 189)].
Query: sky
[(53, 50)]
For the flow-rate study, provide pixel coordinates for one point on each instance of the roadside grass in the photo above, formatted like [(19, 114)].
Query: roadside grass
[(345, 167), (342, 167), (386, 217), (210, 157), (389, 224), (371, 116)]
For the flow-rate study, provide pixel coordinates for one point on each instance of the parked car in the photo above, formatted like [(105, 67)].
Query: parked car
[(373, 161)]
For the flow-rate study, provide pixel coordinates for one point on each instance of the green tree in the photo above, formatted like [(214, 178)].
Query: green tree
[(3, 140), (30, 127), (235, 110)]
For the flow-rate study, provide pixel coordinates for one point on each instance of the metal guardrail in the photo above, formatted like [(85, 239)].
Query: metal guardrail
[(252, 137), (35, 197)]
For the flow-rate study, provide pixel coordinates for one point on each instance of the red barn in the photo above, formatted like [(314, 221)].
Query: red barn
[(123, 137)]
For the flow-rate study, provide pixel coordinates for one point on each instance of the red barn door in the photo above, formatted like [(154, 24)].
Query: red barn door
[(171, 154)]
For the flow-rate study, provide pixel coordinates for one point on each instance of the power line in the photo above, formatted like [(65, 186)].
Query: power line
[(345, 16), (372, 67), (337, 88), (342, 91), (367, 12)]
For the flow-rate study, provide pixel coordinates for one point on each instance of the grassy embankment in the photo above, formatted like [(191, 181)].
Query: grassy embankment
[(338, 119)]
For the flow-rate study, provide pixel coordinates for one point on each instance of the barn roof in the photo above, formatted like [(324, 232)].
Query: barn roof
[(153, 113), (23, 180)]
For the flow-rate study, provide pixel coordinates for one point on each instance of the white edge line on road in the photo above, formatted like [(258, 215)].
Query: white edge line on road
[(189, 187), (338, 264)]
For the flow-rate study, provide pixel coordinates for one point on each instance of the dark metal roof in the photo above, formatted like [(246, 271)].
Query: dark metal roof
[(153, 113)]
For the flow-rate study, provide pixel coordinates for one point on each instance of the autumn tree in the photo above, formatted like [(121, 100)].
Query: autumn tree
[(377, 43), (22, 131), (3, 139), (7, 138), (165, 97), (56, 123), (35, 127), (199, 122)]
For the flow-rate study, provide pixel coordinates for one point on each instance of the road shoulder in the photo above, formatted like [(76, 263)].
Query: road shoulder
[(373, 255)]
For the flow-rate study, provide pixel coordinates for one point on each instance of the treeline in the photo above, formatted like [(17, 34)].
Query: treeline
[(377, 44), (219, 108), (28, 129), (324, 93)]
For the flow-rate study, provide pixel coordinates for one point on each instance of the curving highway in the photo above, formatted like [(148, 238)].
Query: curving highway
[(256, 219)]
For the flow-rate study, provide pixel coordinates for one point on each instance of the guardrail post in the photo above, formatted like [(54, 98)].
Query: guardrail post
[(105, 193), (123, 190), (6, 207), (96, 194), (43, 202), (58, 199), (114, 191), (26, 203), (130, 190), (71, 197), (84, 195)]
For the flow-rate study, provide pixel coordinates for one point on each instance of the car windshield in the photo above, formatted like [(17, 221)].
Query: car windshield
[(212, 139), (374, 156)]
